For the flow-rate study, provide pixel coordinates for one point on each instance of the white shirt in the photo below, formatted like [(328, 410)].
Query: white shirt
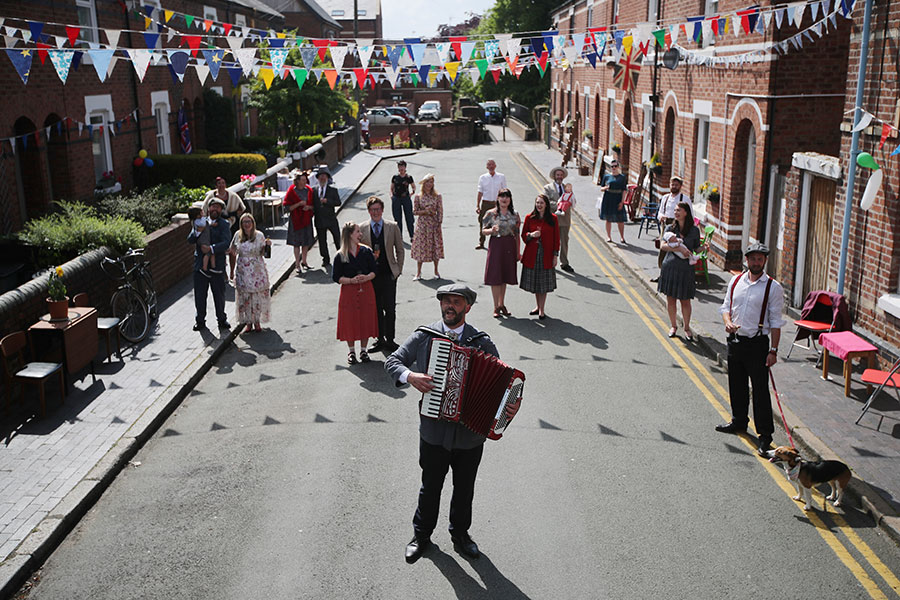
[(747, 304), (490, 185), (364, 125), (458, 331), (668, 203)]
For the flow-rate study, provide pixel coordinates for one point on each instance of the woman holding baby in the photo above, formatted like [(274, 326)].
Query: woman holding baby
[(676, 279)]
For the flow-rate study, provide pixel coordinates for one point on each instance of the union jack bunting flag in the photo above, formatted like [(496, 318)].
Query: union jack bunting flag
[(185, 132), (627, 70)]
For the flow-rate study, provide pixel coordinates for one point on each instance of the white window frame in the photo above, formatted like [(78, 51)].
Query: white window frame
[(361, 12), (611, 134), (100, 107), (240, 20), (245, 107), (89, 32), (710, 8), (218, 89), (161, 110), (157, 5), (590, 13), (652, 12), (645, 147), (338, 12), (701, 165), (209, 12)]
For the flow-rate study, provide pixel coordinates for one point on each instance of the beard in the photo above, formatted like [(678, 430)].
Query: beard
[(452, 318), (756, 270)]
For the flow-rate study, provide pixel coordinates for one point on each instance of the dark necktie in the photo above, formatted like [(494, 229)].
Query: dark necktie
[(376, 228), (559, 189)]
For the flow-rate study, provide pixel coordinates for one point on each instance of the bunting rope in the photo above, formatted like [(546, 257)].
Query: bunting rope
[(632, 134)]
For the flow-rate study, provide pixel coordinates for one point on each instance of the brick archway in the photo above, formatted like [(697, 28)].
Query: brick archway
[(31, 171), (58, 158)]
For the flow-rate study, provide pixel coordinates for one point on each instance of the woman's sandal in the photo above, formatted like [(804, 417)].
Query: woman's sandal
[(689, 335), (497, 313), (672, 332), (504, 311), (364, 356), (351, 358)]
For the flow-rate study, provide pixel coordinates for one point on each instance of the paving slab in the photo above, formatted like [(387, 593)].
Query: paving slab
[(54, 468)]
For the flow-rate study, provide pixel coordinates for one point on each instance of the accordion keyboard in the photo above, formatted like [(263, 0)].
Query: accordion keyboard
[(438, 364)]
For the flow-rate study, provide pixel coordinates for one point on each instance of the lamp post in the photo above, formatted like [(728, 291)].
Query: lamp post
[(356, 88)]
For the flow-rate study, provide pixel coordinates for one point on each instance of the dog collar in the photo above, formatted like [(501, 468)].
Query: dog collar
[(794, 473)]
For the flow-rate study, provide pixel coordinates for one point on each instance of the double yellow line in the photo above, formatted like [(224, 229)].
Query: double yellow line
[(716, 395)]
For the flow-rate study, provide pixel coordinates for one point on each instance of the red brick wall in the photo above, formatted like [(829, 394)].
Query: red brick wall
[(740, 96)]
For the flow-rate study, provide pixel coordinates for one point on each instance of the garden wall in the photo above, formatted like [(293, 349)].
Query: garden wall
[(440, 136)]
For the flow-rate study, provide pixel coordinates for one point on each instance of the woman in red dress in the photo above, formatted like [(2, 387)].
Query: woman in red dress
[(354, 268), (298, 200)]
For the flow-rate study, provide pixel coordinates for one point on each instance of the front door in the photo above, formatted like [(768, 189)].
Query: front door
[(818, 237)]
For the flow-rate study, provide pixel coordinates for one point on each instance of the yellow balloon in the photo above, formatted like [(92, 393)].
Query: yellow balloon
[(142, 154)]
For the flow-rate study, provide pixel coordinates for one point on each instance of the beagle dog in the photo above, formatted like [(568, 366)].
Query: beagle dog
[(806, 474)]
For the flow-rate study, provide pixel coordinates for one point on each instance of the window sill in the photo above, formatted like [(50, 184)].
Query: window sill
[(108, 190), (890, 303)]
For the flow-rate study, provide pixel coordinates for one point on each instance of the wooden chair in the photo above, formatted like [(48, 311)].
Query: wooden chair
[(107, 325), (15, 369), (883, 379), (821, 320)]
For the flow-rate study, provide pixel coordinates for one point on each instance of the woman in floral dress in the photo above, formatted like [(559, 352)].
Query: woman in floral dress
[(251, 279), (428, 243)]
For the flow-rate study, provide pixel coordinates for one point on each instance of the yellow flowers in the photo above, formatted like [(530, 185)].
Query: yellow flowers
[(59, 272)]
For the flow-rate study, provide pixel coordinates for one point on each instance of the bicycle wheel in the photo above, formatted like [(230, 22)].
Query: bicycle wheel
[(144, 283), (131, 310)]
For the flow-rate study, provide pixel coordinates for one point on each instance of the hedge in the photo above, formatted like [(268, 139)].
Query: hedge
[(153, 207), (251, 143), (77, 229), (308, 141), (201, 171)]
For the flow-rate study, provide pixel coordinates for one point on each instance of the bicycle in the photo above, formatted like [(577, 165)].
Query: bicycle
[(134, 303)]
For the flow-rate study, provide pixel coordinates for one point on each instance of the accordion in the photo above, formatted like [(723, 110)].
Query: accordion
[(471, 387)]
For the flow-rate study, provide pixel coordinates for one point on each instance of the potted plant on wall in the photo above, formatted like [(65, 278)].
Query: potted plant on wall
[(710, 191), (58, 302), (655, 164), (617, 149)]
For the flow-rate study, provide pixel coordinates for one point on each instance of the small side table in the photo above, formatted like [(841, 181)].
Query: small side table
[(77, 335), (846, 346)]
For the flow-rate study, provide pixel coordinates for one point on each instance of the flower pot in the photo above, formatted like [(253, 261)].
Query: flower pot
[(59, 309), (657, 171), (584, 170)]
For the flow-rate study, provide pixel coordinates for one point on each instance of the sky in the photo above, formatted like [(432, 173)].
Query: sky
[(414, 18)]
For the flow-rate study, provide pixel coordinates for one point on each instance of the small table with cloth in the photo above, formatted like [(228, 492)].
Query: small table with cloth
[(846, 346)]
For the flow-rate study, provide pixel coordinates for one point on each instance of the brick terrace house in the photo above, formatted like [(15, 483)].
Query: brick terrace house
[(736, 126), (816, 195), (368, 17), (55, 156), (307, 17)]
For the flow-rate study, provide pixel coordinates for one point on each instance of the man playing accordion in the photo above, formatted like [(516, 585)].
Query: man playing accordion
[(443, 444)]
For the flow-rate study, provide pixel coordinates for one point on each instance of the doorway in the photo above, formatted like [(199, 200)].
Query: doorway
[(820, 223)]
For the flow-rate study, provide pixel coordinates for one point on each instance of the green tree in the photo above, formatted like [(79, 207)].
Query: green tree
[(219, 122), (509, 16), (292, 110)]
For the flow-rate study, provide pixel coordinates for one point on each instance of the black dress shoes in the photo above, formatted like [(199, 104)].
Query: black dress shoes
[(224, 325), (378, 345), (731, 427), (391, 346), (567, 268), (764, 445), (416, 548), (465, 545)]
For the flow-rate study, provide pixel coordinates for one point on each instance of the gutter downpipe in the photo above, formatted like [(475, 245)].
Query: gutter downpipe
[(854, 143)]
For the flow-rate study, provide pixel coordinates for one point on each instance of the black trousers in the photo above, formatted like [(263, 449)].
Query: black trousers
[(385, 304), (435, 461), (322, 232), (747, 360), (202, 287)]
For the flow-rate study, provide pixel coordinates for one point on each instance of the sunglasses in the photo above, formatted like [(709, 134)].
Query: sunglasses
[(614, 165)]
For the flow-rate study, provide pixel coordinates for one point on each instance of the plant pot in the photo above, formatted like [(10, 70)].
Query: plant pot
[(584, 170), (59, 309), (658, 171)]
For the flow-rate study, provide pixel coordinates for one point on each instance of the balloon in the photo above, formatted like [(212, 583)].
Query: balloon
[(138, 161), (864, 159), (142, 154), (872, 187), (148, 162)]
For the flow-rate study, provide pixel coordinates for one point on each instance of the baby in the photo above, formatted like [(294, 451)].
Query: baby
[(566, 201), (201, 226), (682, 252)]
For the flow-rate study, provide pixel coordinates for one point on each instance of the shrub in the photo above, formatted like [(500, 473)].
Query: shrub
[(219, 114), (309, 140), (76, 229), (252, 143), (153, 207), (201, 171)]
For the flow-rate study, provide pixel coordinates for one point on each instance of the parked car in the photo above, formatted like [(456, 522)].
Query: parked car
[(401, 111), (380, 116), (430, 110), (493, 113)]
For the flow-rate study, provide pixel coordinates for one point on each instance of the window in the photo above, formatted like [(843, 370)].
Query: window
[(645, 149), (702, 167), (210, 13), (612, 123), (590, 13), (240, 20), (711, 7), (587, 107), (87, 20), (652, 10), (337, 13), (361, 12), (160, 102), (615, 11), (245, 107)]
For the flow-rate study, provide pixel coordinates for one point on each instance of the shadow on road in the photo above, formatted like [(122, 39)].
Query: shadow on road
[(496, 585), (554, 331)]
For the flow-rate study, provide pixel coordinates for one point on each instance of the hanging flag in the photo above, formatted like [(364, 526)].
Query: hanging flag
[(482, 65), (308, 54), (72, 32), (167, 14), (178, 60), (660, 36), (365, 54), (267, 75), (495, 73), (35, 27), (452, 70), (61, 61), (863, 121), (491, 47), (202, 72), (885, 132), (393, 54), (234, 73), (184, 132), (338, 54), (140, 60), (417, 51), (512, 60), (278, 56), (322, 46), (331, 76), (214, 60), (42, 51), (151, 39), (542, 62), (247, 58), (189, 20), (423, 72), (626, 72), (300, 77), (226, 28), (100, 60), (361, 74), (193, 42)]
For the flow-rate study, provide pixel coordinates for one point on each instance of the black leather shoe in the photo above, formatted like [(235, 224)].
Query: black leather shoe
[(465, 545), (731, 427), (416, 548), (391, 346), (224, 325), (199, 326), (764, 445), (378, 345), (568, 268)]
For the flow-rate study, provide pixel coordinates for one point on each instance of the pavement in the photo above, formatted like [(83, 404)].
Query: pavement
[(53, 469), (820, 418)]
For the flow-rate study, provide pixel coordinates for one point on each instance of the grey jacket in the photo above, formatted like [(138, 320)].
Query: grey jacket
[(414, 351)]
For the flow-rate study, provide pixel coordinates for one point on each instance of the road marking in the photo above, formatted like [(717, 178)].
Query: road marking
[(650, 318)]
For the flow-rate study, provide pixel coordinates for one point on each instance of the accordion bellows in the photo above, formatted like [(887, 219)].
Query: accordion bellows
[(471, 387)]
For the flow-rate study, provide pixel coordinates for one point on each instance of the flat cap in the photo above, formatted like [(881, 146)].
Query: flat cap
[(757, 247), (457, 289), (217, 200)]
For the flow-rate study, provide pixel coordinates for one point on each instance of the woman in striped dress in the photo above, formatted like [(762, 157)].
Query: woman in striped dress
[(541, 236)]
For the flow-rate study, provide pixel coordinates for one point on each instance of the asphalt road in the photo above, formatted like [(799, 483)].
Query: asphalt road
[(287, 474)]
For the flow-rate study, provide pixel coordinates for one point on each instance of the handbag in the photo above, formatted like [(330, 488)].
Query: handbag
[(657, 242)]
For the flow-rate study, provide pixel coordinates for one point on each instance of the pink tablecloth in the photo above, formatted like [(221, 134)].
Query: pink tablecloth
[(841, 343)]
